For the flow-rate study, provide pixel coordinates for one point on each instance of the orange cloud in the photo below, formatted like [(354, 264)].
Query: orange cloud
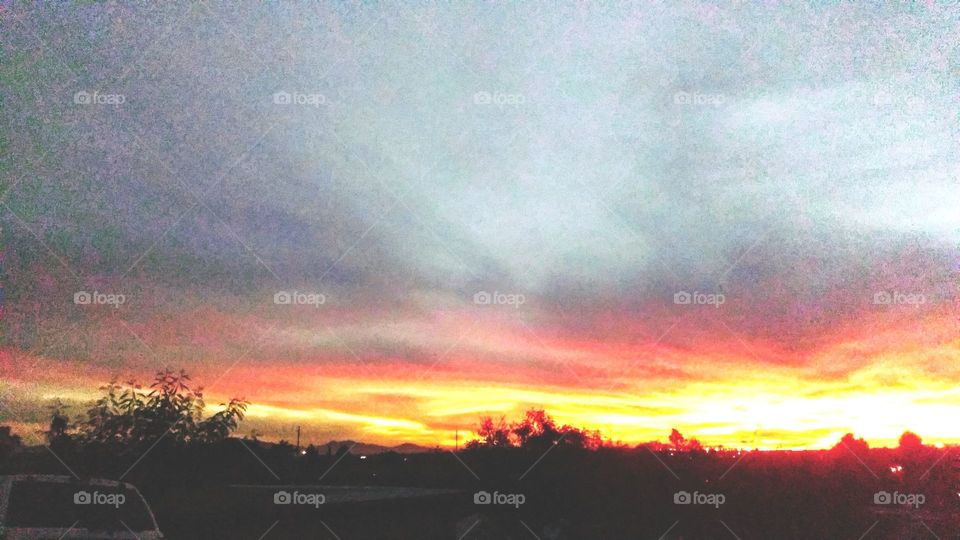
[(339, 379)]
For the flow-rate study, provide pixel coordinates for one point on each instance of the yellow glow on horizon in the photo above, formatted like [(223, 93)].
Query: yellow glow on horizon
[(876, 385), (764, 414)]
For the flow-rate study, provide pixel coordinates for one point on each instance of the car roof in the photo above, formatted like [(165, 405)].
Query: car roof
[(7, 480)]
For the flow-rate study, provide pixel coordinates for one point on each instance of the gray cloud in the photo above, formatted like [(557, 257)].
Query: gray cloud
[(811, 149)]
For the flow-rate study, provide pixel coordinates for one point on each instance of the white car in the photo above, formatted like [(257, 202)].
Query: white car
[(46, 506)]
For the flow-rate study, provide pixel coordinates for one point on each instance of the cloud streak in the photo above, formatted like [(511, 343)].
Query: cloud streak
[(797, 162)]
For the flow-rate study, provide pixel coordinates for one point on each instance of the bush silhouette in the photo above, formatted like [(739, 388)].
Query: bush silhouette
[(128, 417), (537, 431)]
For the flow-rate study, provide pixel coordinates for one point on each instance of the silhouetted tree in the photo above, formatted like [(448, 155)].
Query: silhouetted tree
[(221, 424), (911, 454), (494, 434), (848, 442), (677, 439), (56, 435), (580, 438), (910, 441), (127, 416), (536, 430), (681, 444)]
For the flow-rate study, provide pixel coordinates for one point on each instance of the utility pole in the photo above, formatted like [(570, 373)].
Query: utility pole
[(298, 440), (456, 439)]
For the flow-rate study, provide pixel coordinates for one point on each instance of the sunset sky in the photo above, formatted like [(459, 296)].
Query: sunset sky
[(795, 169)]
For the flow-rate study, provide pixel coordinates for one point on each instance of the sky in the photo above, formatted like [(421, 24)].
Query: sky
[(383, 222)]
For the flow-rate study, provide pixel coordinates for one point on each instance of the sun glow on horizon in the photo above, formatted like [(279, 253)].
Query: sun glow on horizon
[(722, 397)]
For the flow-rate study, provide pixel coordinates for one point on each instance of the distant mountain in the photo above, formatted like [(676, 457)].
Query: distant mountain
[(360, 448)]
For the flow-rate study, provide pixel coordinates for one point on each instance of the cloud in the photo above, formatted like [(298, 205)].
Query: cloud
[(798, 161)]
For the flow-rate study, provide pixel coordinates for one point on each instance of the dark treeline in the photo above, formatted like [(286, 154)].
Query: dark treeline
[(537, 431), (574, 483)]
